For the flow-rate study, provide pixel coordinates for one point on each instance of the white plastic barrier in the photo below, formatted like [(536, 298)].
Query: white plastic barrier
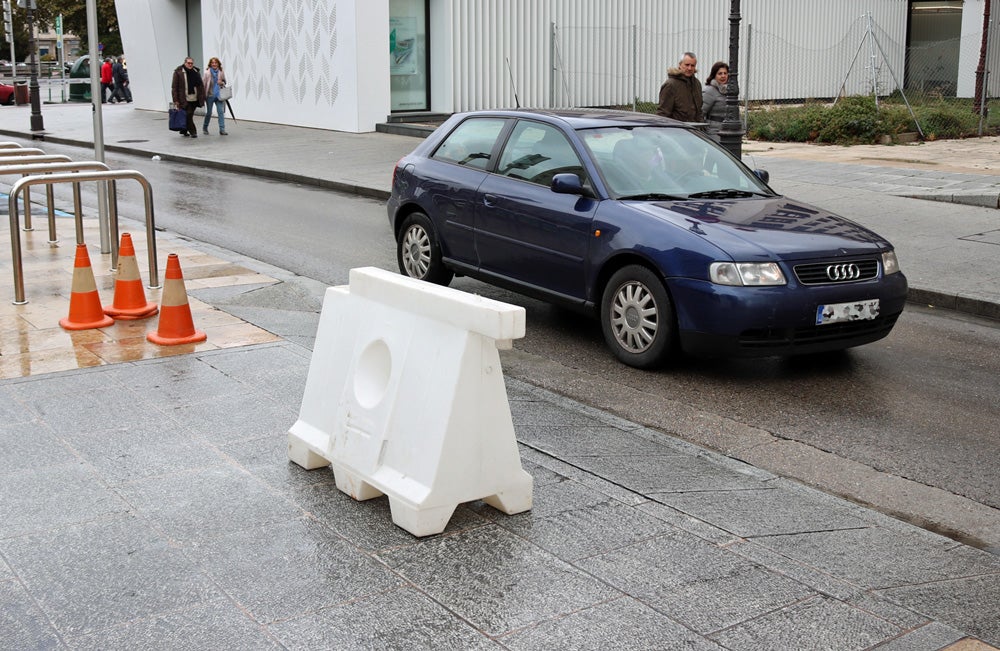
[(405, 397)]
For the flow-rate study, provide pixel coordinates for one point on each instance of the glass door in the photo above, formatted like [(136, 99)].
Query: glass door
[(408, 63)]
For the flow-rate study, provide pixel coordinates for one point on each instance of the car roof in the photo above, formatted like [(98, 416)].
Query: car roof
[(584, 118)]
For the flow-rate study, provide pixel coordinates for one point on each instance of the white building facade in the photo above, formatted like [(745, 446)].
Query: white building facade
[(348, 64)]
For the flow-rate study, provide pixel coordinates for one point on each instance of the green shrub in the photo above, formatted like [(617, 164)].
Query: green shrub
[(943, 123), (896, 119), (858, 119), (852, 120), (791, 124)]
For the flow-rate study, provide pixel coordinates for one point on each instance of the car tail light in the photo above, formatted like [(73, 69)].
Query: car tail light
[(395, 168)]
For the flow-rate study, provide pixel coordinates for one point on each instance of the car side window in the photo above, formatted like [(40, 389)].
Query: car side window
[(536, 152), (471, 143)]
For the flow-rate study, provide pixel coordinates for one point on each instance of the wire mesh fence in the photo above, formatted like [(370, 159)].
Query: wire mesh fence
[(925, 79)]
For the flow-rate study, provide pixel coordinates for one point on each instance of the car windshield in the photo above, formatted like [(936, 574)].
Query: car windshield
[(658, 163)]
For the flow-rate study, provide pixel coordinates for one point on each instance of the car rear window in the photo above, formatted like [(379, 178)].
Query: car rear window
[(471, 143)]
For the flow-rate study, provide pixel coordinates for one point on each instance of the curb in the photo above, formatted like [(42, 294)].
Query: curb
[(957, 303), (339, 186), (979, 199)]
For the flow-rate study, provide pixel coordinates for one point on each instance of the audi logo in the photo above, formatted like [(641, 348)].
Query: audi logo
[(843, 272)]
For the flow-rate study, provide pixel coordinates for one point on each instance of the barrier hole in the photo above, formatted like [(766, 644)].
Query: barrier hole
[(372, 375)]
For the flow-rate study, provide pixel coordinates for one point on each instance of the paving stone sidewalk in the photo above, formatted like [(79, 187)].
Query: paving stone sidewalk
[(151, 505)]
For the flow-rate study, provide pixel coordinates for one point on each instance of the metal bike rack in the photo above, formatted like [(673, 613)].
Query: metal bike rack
[(7, 144), (31, 160), (22, 151), (111, 176), (6, 167), (27, 160)]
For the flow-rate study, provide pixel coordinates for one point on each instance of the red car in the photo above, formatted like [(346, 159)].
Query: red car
[(6, 94)]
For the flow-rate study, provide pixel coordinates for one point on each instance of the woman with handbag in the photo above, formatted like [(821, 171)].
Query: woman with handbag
[(216, 95), (188, 91)]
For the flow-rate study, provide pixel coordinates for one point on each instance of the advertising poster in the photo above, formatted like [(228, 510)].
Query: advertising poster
[(402, 41)]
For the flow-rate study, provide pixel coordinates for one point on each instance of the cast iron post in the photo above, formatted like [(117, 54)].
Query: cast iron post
[(731, 133), (36, 100), (978, 104)]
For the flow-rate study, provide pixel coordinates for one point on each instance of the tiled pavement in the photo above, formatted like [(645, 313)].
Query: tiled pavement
[(150, 504), (31, 340)]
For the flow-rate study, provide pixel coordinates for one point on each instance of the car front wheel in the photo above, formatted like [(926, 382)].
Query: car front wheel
[(419, 253), (637, 317)]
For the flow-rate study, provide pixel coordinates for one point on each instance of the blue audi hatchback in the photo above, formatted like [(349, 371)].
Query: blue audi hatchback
[(646, 223)]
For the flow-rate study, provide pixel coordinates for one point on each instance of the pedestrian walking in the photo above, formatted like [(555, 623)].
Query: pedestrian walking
[(214, 80), (680, 94), (713, 104), (107, 79), (188, 92), (119, 74)]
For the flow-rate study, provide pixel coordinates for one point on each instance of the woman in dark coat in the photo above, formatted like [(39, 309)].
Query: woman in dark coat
[(188, 93)]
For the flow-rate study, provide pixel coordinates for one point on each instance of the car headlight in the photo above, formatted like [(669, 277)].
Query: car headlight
[(746, 273), (890, 264)]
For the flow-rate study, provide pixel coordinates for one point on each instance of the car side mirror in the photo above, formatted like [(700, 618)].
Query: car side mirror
[(567, 184), (763, 175)]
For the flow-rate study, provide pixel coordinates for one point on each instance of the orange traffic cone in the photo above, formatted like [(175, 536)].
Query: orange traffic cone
[(84, 302), (175, 326), (130, 297)]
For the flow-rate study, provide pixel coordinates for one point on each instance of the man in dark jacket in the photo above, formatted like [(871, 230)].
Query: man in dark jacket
[(122, 93), (680, 94), (188, 92)]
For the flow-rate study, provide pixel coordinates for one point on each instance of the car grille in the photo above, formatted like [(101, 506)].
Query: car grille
[(812, 335), (827, 273)]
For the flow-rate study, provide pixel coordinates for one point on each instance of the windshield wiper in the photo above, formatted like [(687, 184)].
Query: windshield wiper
[(652, 196), (728, 193)]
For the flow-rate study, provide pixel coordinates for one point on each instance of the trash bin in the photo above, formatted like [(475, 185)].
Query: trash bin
[(79, 80), (21, 95)]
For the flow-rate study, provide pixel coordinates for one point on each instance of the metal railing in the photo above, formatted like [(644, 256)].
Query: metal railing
[(111, 177), (48, 168), (20, 151), (24, 161)]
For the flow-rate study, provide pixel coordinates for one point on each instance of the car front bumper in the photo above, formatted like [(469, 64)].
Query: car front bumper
[(717, 320)]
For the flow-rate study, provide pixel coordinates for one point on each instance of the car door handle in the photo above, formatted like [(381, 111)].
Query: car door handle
[(489, 200)]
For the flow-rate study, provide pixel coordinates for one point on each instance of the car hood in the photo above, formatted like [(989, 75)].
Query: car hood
[(768, 227)]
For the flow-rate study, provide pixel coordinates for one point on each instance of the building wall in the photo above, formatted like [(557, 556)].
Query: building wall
[(306, 63), (604, 52), (972, 29), (152, 36), (325, 63)]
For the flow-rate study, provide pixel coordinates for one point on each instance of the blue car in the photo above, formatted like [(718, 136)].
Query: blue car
[(646, 223)]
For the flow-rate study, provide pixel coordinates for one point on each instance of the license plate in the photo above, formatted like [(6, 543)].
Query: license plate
[(854, 311)]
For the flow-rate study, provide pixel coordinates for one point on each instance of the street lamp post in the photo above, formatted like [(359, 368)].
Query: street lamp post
[(36, 101), (731, 133)]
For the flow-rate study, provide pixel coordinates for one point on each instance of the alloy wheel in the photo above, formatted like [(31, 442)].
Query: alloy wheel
[(416, 251), (634, 317)]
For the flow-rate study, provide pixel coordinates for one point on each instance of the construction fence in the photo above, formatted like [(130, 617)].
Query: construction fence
[(779, 69)]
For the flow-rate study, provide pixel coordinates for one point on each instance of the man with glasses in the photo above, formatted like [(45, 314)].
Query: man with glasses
[(188, 93)]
